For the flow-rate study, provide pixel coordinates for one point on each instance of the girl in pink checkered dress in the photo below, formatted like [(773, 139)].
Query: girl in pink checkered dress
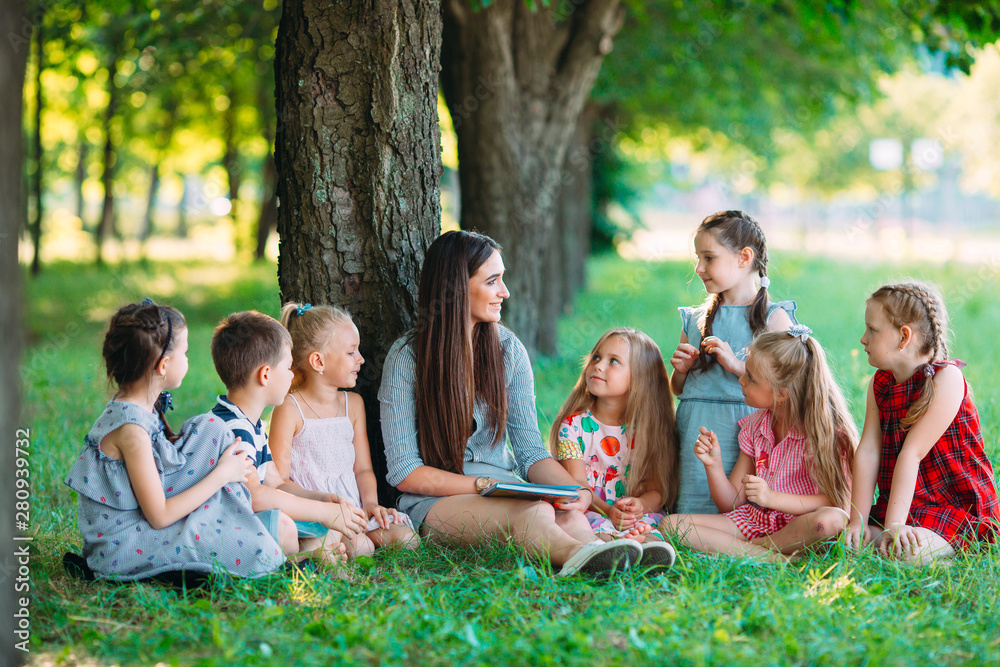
[(791, 485)]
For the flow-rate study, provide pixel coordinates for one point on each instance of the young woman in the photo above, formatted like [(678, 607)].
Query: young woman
[(454, 389)]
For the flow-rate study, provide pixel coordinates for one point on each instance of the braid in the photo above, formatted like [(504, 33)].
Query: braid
[(919, 306), (735, 230)]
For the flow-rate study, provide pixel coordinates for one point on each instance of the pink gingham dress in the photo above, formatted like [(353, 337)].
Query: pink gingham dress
[(783, 466)]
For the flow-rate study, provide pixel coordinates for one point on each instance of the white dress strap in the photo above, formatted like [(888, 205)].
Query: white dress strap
[(299, 408), (347, 403)]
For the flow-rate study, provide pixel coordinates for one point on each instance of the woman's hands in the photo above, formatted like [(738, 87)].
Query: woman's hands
[(582, 502)]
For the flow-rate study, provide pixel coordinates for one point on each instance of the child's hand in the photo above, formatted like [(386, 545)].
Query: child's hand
[(386, 516), (707, 449), (857, 535), (723, 353), (234, 465), (346, 518), (630, 507), (620, 520), (684, 357), (900, 540), (757, 490)]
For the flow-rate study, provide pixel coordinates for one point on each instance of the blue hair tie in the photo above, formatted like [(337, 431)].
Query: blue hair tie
[(301, 310), (147, 302), (800, 331)]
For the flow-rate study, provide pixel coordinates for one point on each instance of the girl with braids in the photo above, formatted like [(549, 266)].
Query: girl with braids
[(152, 503), (708, 362), (921, 443), (791, 485), (454, 390)]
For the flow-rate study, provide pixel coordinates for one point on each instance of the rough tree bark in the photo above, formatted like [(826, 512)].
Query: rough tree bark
[(268, 218), (13, 59), (563, 260), (358, 153), (515, 81)]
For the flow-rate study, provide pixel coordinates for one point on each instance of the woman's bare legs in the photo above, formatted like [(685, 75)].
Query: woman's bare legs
[(467, 519)]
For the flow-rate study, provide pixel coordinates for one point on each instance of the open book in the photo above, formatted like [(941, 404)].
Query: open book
[(549, 492)]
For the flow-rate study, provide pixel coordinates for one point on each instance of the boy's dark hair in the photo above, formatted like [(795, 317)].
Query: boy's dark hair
[(245, 341)]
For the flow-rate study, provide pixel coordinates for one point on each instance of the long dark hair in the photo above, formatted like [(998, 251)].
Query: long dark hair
[(735, 230), (457, 364), (139, 336)]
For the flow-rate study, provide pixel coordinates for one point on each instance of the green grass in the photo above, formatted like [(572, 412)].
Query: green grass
[(442, 606)]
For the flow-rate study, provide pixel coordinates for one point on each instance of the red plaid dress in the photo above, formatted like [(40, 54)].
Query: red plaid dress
[(955, 495), (782, 465)]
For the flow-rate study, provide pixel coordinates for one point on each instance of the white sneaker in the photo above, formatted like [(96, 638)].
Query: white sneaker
[(657, 556), (602, 558)]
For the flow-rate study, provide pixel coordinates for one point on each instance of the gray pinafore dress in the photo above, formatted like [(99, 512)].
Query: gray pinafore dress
[(713, 399), (119, 543)]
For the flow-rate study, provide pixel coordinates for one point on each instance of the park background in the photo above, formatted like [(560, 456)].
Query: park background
[(590, 138)]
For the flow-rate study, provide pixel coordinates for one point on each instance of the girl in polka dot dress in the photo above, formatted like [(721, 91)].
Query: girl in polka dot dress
[(151, 502), (615, 433)]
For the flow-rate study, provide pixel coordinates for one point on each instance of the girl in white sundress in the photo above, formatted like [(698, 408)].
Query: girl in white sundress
[(318, 436)]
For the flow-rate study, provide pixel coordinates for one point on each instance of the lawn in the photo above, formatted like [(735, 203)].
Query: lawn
[(442, 606)]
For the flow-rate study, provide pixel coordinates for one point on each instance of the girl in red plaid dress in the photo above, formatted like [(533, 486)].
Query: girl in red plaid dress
[(921, 442), (791, 484)]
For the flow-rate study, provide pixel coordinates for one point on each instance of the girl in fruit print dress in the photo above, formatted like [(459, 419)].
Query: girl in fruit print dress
[(615, 433)]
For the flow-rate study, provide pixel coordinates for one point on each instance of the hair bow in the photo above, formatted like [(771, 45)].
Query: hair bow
[(301, 310), (800, 331)]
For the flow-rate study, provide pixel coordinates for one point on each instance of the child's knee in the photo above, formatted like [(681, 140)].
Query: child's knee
[(828, 522), (288, 535)]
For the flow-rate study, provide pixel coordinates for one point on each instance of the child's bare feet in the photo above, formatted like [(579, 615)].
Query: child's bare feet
[(639, 533)]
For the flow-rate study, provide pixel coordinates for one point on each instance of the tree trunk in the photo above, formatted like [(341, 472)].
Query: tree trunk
[(231, 162), (182, 208), (147, 220), (106, 224), (268, 219), (78, 179), (268, 205), (36, 226), (564, 259), (358, 153), (13, 60), (515, 81)]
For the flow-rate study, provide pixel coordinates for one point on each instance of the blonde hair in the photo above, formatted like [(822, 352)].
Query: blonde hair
[(311, 328), (815, 407), (920, 307), (649, 416)]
